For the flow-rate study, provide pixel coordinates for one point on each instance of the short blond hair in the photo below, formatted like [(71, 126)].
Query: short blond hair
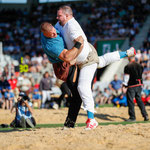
[(66, 9)]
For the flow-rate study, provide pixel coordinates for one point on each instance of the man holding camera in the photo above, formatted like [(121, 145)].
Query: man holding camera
[(24, 112)]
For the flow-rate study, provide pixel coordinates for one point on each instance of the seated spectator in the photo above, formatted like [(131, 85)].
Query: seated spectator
[(9, 99), (138, 56), (16, 94), (143, 98), (4, 87), (24, 112), (120, 101), (107, 96), (24, 83), (37, 85), (36, 98), (116, 86), (148, 100), (99, 99), (4, 84), (146, 90)]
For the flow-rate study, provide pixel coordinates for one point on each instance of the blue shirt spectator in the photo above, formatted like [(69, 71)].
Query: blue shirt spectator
[(116, 84), (36, 95), (36, 98)]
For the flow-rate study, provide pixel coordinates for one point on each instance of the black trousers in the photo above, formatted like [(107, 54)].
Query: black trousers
[(65, 90), (131, 93), (75, 102)]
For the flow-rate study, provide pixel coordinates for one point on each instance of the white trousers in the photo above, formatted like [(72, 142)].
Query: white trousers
[(108, 58), (46, 95), (86, 76)]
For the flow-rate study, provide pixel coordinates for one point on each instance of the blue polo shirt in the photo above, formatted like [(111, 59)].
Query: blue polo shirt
[(53, 47), (116, 84), (36, 96)]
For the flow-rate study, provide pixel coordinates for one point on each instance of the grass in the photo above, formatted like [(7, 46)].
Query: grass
[(106, 105), (77, 125)]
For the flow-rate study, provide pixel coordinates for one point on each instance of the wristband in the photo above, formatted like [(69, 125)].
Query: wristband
[(77, 45)]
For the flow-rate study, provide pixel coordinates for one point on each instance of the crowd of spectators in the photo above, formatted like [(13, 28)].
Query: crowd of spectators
[(10, 89), (20, 34), (142, 57), (116, 94), (116, 19)]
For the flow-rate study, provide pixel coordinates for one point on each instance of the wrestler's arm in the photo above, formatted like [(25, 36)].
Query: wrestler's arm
[(71, 55), (81, 40)]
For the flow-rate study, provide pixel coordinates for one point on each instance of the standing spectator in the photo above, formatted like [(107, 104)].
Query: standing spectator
[(115, 86), (45, 88), (133, 80)]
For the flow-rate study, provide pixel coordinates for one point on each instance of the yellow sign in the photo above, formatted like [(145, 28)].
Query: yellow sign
[(22, 67)]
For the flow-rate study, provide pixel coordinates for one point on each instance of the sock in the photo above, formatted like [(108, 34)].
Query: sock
[(90, 115), (123, 54)]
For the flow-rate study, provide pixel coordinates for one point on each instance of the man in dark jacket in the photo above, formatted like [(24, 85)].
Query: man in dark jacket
[(133, 81)]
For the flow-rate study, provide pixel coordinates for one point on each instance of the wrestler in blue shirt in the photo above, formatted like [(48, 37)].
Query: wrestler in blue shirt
[(53, 47)]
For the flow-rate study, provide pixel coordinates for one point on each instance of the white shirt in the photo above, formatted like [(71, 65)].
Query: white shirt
[(70, 31)]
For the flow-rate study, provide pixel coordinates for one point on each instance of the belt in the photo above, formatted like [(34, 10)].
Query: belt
[(140, 84), (135, 85)]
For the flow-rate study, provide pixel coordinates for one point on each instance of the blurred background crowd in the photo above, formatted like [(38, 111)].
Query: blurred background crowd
[(20, 36)]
